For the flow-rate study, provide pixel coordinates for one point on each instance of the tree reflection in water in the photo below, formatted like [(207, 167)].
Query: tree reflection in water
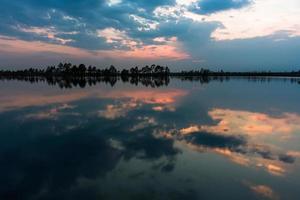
[(68, 82)]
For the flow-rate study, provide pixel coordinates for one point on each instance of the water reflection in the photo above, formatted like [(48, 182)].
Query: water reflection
[(82, 82), (243, 137), (124, 101), (175, 142), (147, 81), (264, 191)]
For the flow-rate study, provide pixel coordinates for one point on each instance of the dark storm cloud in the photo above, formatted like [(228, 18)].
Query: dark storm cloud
[(212, 140), (150, 4), (212, 6), (185, 30), (286, 158), (237, 144), (76, 21)]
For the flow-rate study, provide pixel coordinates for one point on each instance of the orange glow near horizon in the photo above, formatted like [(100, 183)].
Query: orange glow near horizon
[(146, 52)]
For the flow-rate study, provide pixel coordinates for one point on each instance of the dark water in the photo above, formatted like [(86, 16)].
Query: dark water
[(235, 139)]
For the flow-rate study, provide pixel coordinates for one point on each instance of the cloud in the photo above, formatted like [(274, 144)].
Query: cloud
[(130, 100), (212, 6), (141, 31), (145, 122), (264, 51), (268, 17), (243, 137), (150, 4), (83, 18), (17, 48), (252, 124), (113, 112), (53, 113), (186, 31), (46, 158), (215, 140), (263, 191), (20, 100), (100, 27), (155, 97)]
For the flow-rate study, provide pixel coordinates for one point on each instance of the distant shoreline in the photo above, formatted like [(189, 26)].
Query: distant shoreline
[(243, 74), (235, 74), (69, 70), (148, 80)]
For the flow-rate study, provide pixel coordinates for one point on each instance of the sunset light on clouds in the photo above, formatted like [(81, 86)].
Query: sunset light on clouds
[(233, 34), (149, 99)]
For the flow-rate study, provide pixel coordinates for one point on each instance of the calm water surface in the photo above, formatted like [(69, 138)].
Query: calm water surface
[(235, 139)]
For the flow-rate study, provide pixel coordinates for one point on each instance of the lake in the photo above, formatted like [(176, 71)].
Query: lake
[(181, 138)]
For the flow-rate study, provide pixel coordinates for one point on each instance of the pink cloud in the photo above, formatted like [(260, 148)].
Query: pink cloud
[(146, 52)]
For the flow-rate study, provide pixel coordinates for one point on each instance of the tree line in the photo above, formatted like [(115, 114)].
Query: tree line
[(68, 69), (69, 82)]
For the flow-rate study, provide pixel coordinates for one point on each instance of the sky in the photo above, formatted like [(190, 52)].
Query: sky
[(231, 35)]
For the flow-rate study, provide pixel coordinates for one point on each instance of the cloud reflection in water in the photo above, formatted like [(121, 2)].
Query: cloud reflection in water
[(74, 143), (242, 137)]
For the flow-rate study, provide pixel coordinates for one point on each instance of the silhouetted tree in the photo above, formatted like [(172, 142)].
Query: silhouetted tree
[(74, 69), (167, 70), (82, 69), (112, 70)]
